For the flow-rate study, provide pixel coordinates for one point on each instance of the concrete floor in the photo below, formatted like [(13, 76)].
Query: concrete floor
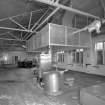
[(17, 88)]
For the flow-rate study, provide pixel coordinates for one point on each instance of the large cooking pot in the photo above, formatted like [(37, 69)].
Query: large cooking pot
[(53, 83)]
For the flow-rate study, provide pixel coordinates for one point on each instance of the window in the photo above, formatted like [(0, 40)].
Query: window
[(73, 56), (60, 56), (81, 57), (78, 56), (99, 57), (99, 47)]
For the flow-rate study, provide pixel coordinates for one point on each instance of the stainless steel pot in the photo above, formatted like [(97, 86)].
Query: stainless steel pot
[(53, 83)]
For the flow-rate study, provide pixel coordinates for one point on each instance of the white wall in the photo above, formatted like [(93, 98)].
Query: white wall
[(11, 56)]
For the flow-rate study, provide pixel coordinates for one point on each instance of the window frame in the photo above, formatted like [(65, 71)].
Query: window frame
[(60, 57), (103, 51), (78, 51)]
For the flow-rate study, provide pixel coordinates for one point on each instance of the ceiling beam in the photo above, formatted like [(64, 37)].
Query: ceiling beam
[(12, 44), (48, 18), (24, 37), (29, 24), (13, 39), (3, 33), (14, 21), (39, 10), (9, 33), (21, 35), (39, 19), (67, 8), (37, 22), (43, 22), (79, 30), (15, 29), (14, 36)]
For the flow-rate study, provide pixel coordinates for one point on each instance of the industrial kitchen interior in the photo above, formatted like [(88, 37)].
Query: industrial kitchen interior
[(52, 52)]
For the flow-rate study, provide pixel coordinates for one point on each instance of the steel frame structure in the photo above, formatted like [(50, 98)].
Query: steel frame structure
[(14, 21), (37, 25), (52, 13), (49, 2), (22, 28), (39, 20), (13, 39), (13, 36), (60, 6), (9, 33), (71, 9)]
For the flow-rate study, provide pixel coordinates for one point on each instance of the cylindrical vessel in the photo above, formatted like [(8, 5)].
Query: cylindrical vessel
[(53, 83)]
